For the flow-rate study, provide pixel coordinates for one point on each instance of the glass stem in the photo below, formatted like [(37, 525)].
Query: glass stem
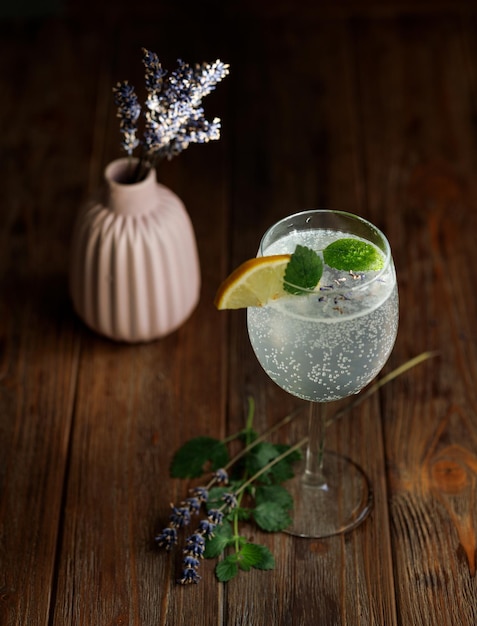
[(313, 474)]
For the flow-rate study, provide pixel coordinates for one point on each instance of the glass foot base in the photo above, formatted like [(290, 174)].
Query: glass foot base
[(337, 506)]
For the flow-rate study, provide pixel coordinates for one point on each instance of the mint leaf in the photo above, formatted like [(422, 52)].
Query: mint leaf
[(267, 560), (271, 517), (260, 456), (242, 514), (283, 470), (280, 472), (303, 271), (190, 460), (227, 569), (247, 435), (274, 493), (251, 555), (223, 537), (353, 255)]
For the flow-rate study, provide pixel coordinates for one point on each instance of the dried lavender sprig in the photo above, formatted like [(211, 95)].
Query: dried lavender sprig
[(199, 81), (195, 543), (195, 131), (168, 537), (189, 575), (194, 504), (202, 493), (129, 110), (167, 540), (169, 133), (221, 476), (154, 73), (180, 517), (174, 118)]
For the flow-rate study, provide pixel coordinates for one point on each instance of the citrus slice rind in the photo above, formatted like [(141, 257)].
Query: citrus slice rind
[(253, 283)]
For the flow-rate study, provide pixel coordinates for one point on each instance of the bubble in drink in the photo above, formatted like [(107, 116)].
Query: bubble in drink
[(328, 344)]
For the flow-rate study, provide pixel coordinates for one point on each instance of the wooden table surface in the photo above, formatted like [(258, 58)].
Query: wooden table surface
[(360, 106)]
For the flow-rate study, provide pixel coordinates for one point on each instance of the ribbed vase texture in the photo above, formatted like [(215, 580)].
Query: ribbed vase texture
[(134, 273)]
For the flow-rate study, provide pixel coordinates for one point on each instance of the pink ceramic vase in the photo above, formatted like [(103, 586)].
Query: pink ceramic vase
[(134, 273)]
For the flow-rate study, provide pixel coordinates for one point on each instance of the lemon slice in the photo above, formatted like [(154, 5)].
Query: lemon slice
[(254, 283)]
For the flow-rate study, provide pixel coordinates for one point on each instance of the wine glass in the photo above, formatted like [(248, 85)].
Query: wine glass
[(323, 346)]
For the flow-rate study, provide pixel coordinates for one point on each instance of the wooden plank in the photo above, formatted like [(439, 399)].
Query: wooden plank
[(420, 161), (302, 150), (137, 404), (373, 116), (42, 168)]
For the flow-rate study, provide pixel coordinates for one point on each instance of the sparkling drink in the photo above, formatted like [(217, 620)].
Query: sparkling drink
[(325, 344), (328, 344)]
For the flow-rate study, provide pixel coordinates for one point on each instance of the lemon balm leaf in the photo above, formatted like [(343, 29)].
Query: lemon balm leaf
[(192, 458), (255, 555), (353, 255), (223, 537), (303, 271), (227, 569), (272, 517), (267, 561), (274, 493)]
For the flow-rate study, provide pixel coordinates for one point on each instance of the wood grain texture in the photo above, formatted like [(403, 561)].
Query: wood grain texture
[(40, 348), (429, 422), (348, 105), (307, 154)]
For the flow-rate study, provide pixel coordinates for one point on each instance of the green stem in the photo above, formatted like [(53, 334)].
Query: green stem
[(380, 383), (250, 414), (269, 465), (240, 491), (288, 418), (302, 442), (236, 524), (248, 428), (248, 425)]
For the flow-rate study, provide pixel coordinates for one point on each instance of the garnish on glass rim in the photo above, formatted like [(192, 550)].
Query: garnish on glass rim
[(303, 271), (353, 255), (253, 283), (263, 279)]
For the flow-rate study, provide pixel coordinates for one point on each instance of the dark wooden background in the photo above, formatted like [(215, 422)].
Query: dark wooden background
[(369, 107)]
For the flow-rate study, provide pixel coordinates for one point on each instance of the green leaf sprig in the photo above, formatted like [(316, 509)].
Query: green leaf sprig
[(303, 271), (305, 268), (251, 493), (218, 535)]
